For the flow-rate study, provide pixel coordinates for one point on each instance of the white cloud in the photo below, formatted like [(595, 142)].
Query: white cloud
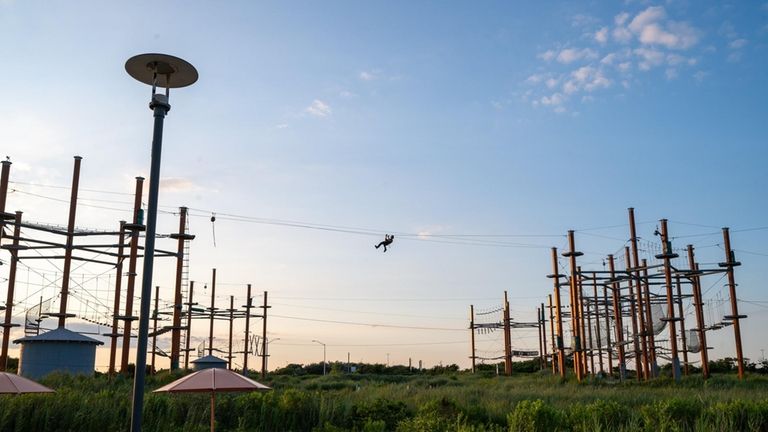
[(601, 36), (554, 100), (177, 184), (622, 35), (534, 79), (652, 28), (671, 73), (737, 44), (282, 126), (649, 58), (551, 83), (367, 75), (624, 66), (621, 18), (547, 55), (570, 55), (586, 78), (319, 109)]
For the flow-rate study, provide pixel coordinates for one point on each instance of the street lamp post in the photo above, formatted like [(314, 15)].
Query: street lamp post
[(323, 354), (157, 70)]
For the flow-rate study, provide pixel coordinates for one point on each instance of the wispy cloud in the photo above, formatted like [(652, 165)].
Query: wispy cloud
[(368, 75), (319, 108)]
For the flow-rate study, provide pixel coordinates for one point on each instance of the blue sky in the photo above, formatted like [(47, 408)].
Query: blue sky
[(524, 118)]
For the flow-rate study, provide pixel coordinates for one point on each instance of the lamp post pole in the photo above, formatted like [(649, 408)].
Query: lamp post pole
[(153, 69), (317, 341)]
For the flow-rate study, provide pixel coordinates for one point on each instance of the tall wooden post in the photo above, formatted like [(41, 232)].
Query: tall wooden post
[(582, 323), (543, 335), (667, 255), (639, 367), (5, 173), (213, 312), (231, 324), (698, 307), (558, 315), (597, 323), (653, 367), (552, 334), (608, 330), (116, 309), (134, 227), (682, 323), (729, 264), (188, 333), (507, 339), (70, 239), (639, 299), (181, 237), (617, 315), (155, 317), (264, 338), (248, 305), (590, 345), (575, 318), (472, 334), (7, 325)]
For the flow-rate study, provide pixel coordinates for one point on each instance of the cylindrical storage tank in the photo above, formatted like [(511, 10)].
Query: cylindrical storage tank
[(209, 362), (59, 350)]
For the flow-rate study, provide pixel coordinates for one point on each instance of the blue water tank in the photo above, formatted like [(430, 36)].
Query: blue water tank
[(59, 350)]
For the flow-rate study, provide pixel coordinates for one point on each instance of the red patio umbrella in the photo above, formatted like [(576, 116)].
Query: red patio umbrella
[(15, 384), (213, 380)]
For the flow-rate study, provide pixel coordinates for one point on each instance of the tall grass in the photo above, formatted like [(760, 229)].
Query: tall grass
[(371, 403)]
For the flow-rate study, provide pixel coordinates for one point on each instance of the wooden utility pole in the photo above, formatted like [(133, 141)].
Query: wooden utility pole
[(62, 315), (507, 339), (589, 338), (182, 236), (116, 309), (577, 353), (558, 315), (472, 334), (639, 369), (653, 368), (541, 346), (248, 305), (698, 307), (231, 324), (188, 334), (552, 334), (134, 227), (608, 330), (729, 264), (682, 323), (213, 311), (639, 299), (155, 317), (543, 335), (582, 323), (264, 338), (7, 325), (617, 319), (667, 256), (597, 323)]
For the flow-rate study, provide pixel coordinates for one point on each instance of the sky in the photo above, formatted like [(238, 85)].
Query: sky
[(435, 121)]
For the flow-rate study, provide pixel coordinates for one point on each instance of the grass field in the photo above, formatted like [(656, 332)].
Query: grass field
[(454, 402)]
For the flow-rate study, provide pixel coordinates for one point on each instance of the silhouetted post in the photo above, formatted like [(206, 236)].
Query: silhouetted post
[(507, 339), (667, 255), (248, 305), (188, 333), (559, 315), (264, 338), (608, 331), (70, 239), (472, 333), (182, 236), (213, 311), (135, 227), (639, 297), (572, 254), (729, 264), (231, 324), (582, 323), (618, 319), (698, 306), (552, 334), (116, 309), (597, 323), (7, 325), (654, 367), (544, 335), (5, 172), (682, 323), (639, 367), (155, 317), (538, 334), (589, 338)]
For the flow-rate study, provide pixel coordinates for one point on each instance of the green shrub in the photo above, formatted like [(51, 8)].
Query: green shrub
[(535, 416)]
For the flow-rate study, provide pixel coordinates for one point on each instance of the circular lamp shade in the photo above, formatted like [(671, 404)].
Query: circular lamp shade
[(172, 72)]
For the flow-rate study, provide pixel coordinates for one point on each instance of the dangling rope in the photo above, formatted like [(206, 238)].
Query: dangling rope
[(213, 227)]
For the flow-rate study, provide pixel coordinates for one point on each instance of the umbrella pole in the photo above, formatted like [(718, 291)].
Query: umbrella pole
[(213, 410)]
